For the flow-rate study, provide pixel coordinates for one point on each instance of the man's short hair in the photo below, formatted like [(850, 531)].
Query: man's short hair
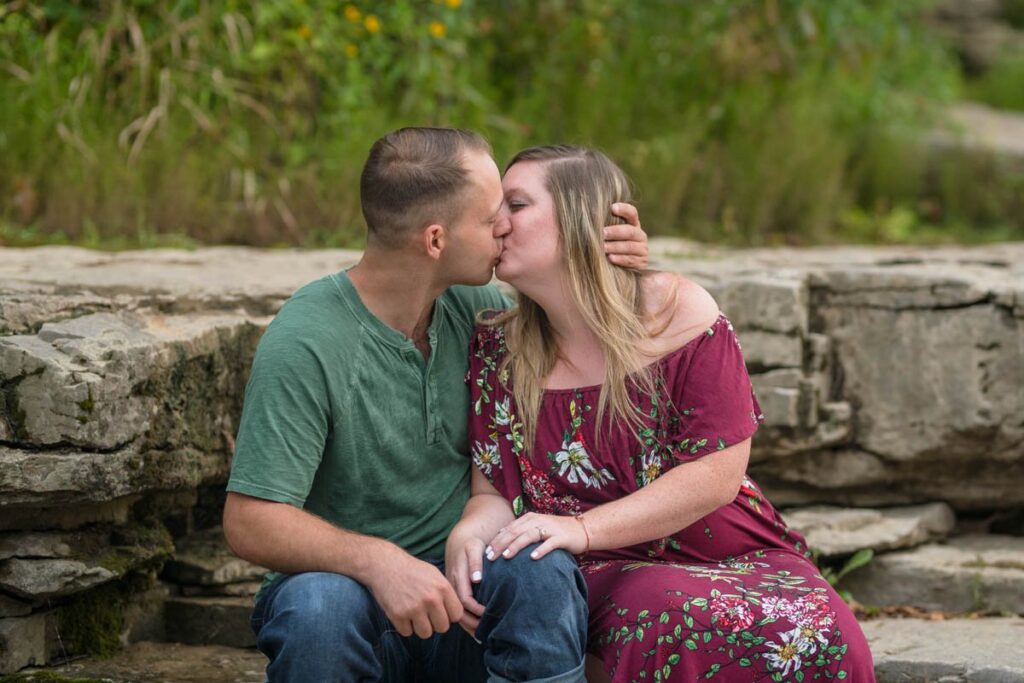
[(414, 177)]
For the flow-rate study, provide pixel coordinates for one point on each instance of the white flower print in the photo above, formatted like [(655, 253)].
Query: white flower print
[(650, 468), (502, 412), (486, 456), (787, 654), (574, 464)]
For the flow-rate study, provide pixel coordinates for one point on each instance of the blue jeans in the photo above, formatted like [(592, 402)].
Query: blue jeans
[(321, 627)]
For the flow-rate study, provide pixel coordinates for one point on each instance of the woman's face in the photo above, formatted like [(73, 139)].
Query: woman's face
[(531, 251)]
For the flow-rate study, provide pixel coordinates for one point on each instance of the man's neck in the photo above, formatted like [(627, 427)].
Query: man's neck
[(395, 288)]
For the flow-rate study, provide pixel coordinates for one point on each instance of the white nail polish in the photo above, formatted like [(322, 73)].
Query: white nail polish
[(477, 576), (534, 555), (505, 552)]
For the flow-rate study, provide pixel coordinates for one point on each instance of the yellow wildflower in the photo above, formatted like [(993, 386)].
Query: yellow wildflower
[(372, 23), (454, 4), (352, 13), (437, 29), (351, 50), (305, 32)]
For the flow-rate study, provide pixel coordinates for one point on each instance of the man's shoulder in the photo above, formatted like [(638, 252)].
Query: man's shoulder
[(466, 301), (314, 314)]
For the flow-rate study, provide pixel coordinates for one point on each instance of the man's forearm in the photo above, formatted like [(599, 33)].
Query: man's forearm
[(284, 538)]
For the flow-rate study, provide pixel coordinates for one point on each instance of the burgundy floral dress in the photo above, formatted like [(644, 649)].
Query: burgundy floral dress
[(733, 597)]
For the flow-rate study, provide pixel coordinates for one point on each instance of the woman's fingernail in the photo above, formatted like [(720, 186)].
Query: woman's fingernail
[(477, 576), (505, 552), (535, 554), (489, 552)]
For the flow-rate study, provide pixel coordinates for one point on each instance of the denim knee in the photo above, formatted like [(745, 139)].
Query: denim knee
[(546, 580), (321, 606), (534, 625)]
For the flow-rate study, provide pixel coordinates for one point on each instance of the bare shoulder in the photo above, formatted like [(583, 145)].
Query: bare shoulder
[(679, 308)]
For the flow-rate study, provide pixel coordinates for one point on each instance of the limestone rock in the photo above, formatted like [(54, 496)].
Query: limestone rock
[(31, 478), (950, 651), (977, 572), (770, 350), (90, 559), (765, 303), (158, 662), (204, 559), (841, 531), (43, 579), (9, 607), (210, 621), (104, 380), (22, 642), (245, 589)]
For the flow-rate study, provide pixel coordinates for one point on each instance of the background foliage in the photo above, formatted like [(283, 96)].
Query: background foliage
[(172, 121)]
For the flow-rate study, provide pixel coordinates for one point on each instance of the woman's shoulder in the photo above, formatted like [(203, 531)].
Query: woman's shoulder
[(679, 310), (488, 337)]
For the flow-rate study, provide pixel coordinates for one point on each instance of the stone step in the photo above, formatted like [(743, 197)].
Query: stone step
[(209, 621), (104, 380), (950, 651), (152, 662), (905, 651), (835, 531), (968, 573), (203, 559)]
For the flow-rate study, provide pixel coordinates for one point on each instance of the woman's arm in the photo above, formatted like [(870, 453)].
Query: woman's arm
[(674, 501), (486, 512)]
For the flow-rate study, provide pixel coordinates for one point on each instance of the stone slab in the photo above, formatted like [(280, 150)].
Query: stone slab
[(22, 642), (841, 531), (101, 381), (52, 478), (968, 573), (210, 621), (93, 557), (153, 662), (204, 559), (950, 651)]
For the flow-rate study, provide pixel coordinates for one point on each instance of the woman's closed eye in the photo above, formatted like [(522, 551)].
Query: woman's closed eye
[(515, 205)]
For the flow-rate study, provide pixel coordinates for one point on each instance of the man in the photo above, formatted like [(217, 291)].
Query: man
[(351, 463)]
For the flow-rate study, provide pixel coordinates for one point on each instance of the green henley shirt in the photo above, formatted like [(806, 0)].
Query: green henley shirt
[(344, 418)]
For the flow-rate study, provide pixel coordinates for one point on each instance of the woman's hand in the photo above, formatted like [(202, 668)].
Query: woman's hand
[(464, 567), (551, 531)]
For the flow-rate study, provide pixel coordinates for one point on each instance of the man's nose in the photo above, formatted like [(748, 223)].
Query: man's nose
[(502, 226)]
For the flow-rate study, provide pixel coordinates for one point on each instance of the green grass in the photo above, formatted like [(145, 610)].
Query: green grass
[(136, 125)]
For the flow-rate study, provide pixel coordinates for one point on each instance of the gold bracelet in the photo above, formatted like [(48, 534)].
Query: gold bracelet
[(579, 518)]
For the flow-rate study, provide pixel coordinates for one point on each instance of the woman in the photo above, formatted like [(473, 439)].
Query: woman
[(613, 413)]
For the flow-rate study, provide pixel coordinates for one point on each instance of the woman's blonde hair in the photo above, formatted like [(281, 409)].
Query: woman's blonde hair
[(584, 184)]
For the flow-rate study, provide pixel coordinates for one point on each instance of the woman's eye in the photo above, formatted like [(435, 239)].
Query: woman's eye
[(515, 206)]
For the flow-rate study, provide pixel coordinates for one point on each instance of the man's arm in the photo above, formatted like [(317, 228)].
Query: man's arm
[(286, 419), (414, 595)]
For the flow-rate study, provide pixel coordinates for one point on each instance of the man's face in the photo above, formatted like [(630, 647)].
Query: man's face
[(474, 243)]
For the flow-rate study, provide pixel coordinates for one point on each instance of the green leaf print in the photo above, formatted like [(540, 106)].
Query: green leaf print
[(517, 506)]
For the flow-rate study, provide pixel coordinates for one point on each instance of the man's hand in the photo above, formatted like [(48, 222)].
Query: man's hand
[(415, 596), (626, 243), (464, 567)]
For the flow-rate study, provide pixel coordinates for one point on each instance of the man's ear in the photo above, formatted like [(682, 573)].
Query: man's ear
[(435, 239)]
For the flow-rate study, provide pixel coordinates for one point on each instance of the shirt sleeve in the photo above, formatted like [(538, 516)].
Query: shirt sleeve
[(714, 396), (285, 421)]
